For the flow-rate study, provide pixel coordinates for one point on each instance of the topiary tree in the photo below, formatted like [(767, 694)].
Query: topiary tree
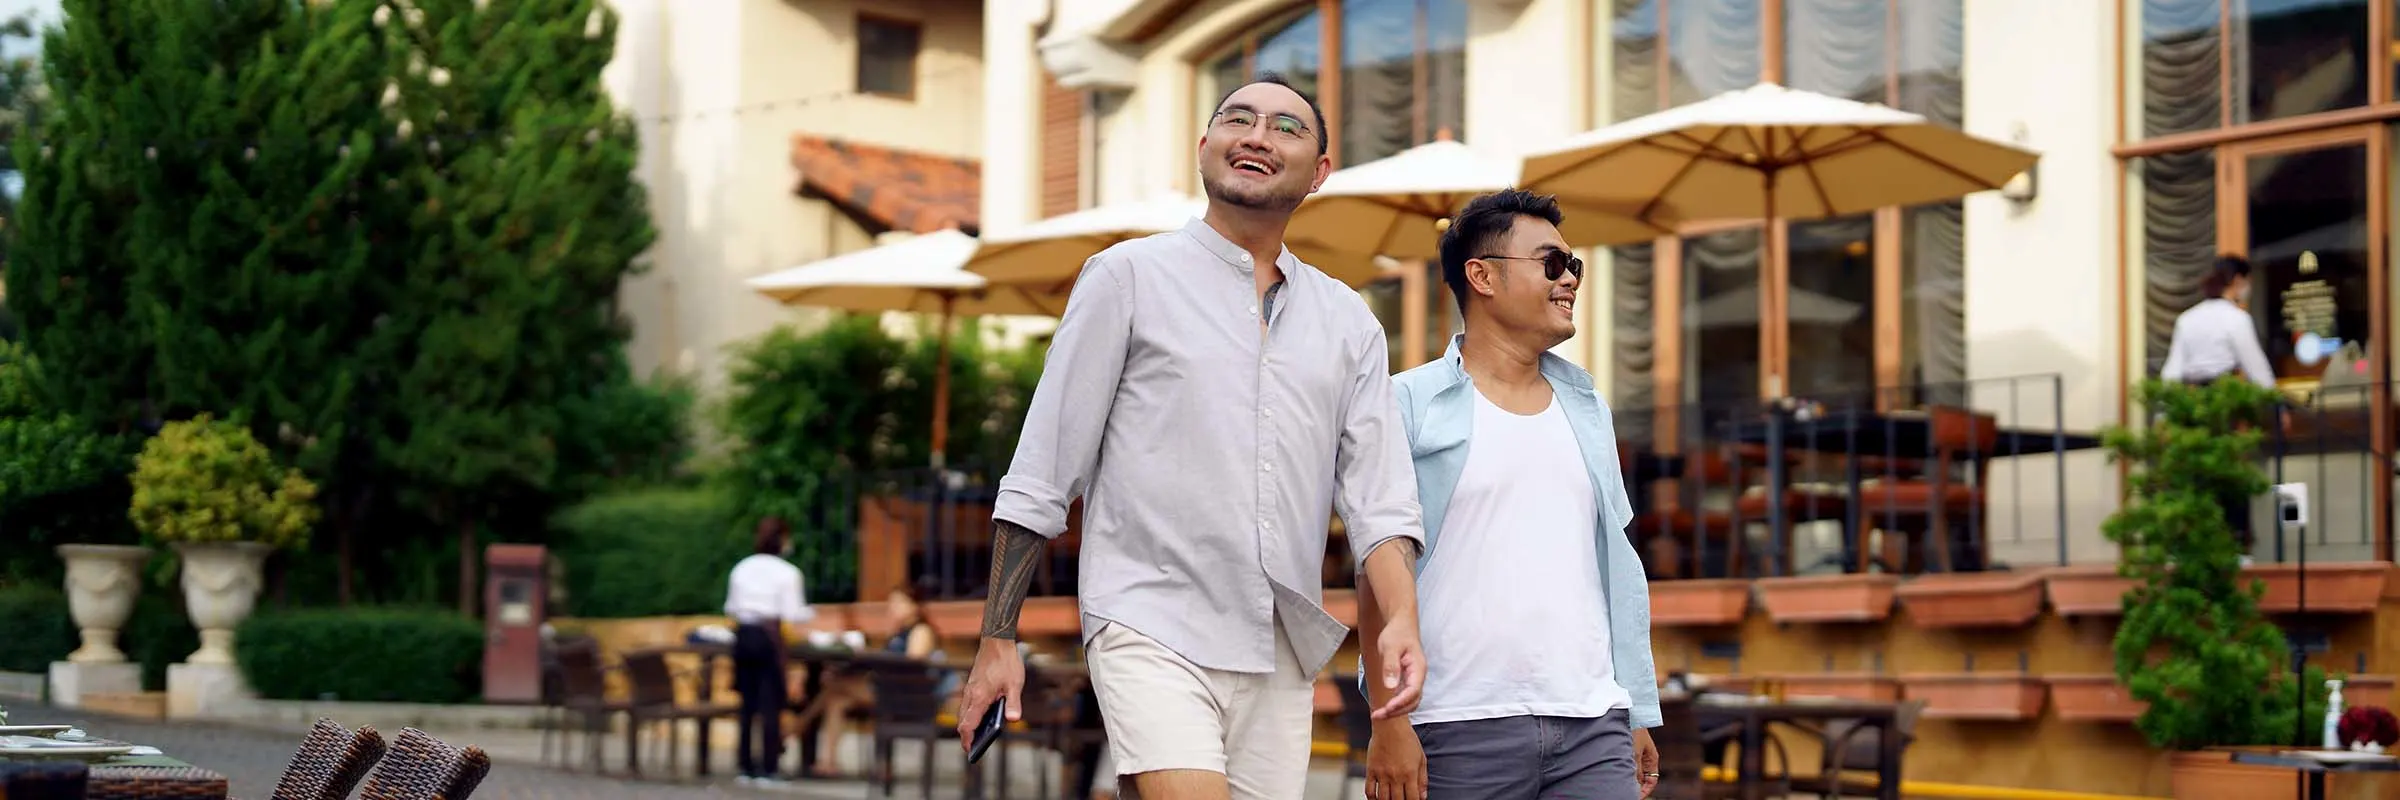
[(208, 480), (2193, 643)]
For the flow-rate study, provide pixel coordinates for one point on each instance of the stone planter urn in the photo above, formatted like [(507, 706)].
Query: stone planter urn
[(220, 586), (103, 580)]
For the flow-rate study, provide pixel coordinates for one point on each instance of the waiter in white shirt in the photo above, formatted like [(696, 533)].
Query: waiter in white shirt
[(2214, 338), (761, 595)]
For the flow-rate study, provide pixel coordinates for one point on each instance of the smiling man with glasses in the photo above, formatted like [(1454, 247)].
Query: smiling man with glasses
[(1211, 397), (1536, 612)]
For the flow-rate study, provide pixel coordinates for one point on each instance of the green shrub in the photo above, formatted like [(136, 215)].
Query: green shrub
[(2194, 644), (403, 655), (204, 480), (648, 552), (159, 633), (35, 628)]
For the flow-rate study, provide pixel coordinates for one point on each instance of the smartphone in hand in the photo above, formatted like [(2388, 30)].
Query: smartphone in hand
[(988, 732)]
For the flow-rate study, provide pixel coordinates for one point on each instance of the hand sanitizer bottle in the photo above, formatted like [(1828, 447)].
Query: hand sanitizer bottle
[(2333, 715)]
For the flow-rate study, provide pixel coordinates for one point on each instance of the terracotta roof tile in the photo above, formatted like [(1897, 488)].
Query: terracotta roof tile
[(901, 189)]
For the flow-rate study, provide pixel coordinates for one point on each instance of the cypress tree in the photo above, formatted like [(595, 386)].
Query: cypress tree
[(525, 218)]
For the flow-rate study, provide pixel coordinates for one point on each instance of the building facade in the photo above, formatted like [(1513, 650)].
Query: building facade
[(780, 132), (2170, 130)]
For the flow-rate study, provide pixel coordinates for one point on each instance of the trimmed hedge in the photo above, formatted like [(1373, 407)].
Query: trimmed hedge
[(401, 655), (35, 628), (648, 552)]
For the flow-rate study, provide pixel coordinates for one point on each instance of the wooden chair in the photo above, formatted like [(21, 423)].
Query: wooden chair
[(421, 767), (1933, 511), (908, 705), (654, 701), (44, 780), (1856, 745), (583, 697), (329, 763), (1059, 718)]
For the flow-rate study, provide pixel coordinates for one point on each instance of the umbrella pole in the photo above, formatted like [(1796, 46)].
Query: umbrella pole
[(1774, 274), (941, 386)]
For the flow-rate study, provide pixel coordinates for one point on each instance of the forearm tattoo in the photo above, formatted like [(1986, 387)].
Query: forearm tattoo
[(1015, 551)]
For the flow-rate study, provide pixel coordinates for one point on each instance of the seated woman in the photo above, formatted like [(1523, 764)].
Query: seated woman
[(913, 637)]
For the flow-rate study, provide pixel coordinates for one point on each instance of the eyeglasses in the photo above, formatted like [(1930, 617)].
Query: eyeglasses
[(1554, 263), (1284, 126)]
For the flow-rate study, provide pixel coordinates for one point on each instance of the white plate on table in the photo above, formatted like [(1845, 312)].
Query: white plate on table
[(2337, 756), (34, 730), (31, 748)]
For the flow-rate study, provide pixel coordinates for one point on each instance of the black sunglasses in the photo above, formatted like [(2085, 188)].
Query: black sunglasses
[(1553, 263)]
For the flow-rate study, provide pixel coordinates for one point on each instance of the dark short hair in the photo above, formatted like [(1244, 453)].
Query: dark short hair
[(1324, 137), (1478, 229), (2222, 274), (771, 533)]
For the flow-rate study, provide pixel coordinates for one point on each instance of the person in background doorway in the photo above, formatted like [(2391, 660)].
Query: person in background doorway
[(2216, 338), (762, 595)]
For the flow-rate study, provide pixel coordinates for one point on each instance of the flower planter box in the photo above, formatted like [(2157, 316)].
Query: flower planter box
[(1861, 686), (1828, 598), (2092, 590), (1973, 599), (1699, 602), (1977, 695), (2367, 690), (2333, 588), (2093, 698), (2212, 775)]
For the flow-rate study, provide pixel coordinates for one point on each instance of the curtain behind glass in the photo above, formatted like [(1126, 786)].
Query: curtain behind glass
[(2180, 66), (1712, 48), (2179, 241), (1633, 61), (1632, 338), (1403, 75), (1933, 265)]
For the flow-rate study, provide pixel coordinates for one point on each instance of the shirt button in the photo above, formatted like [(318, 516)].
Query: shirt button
[(1254, 311), (1269, 413), (1245, 258), (1265, 466)]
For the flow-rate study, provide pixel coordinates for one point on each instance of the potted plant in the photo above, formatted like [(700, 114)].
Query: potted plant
[(2194, 644), (62, 480), (210, 490)]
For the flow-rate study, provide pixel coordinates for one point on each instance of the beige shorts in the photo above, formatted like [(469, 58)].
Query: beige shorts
[(1163, 712)]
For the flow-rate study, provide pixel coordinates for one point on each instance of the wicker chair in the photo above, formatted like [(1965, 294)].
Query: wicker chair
[(44, 781), (330, 762), (421, 767)]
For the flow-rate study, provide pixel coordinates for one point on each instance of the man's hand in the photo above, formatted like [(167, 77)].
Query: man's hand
[(999, 675), (1395, 762), (1645, 760), (1403, 661)]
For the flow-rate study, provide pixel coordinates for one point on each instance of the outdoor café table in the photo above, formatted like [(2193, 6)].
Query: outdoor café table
[(1862, 433), (2310, 772), (834, 658), (1754, 717), (153, 778)]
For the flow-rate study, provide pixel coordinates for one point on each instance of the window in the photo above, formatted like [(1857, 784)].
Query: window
[(887, 56), (1839, 334)]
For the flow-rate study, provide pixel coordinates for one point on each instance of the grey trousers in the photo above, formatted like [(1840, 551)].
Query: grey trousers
[(1531, 758)]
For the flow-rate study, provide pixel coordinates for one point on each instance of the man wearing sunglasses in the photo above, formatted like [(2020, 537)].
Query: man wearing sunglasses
[(1535, 609), (1211, 397)]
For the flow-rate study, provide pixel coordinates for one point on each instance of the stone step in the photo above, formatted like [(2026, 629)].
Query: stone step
[(133, 705)]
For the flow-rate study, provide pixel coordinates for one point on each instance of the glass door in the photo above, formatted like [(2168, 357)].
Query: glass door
[(2308, 211)]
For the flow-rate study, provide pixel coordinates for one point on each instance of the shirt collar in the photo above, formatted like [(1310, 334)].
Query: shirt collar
[(1232, 254)]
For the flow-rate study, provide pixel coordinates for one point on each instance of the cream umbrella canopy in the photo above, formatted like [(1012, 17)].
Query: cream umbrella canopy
[(1047, 255), (1397, 206), (1770, 152), (923, 274)]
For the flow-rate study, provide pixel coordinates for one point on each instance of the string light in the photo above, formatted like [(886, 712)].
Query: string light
[(585, 131)]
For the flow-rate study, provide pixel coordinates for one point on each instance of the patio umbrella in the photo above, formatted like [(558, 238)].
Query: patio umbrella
[(1771, 153), (1398, 206), (923, 274), (1047, 255)]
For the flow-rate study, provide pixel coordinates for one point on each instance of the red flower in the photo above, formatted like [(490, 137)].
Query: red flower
[(2367, 724)]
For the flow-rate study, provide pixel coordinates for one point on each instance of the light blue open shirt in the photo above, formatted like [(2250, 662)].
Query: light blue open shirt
[(1437, 410)]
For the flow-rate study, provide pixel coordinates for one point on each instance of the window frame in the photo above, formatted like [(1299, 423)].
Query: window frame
[(916, 54)]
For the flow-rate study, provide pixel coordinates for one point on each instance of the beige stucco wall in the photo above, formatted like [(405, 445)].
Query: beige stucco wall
[(722, 183), (2042, 292), (2042, 283)]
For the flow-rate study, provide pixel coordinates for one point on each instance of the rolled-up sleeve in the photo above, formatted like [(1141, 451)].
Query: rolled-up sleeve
[(1375, 485), (1060, 443)]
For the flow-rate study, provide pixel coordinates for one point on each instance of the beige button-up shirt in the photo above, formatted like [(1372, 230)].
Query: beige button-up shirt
[(1208, 455)]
